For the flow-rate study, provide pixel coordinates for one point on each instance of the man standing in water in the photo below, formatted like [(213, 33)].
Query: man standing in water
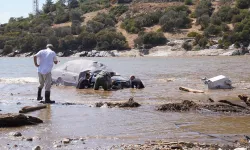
[(46, 59)]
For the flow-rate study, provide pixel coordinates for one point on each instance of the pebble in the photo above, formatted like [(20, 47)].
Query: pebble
[(29, 139), (57, 146), (36, 148), (16, 134), (66, 141)]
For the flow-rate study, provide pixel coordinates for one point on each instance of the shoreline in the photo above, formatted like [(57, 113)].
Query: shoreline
[(174, 48), (159, 51)]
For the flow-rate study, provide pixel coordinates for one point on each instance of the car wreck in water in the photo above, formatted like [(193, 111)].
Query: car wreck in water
[(69, 73)]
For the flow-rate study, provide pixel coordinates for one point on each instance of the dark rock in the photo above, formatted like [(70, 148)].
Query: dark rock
[(14, 120), (16, 134), (66, 140), (187, 45), (186, 105), (36, 148), (29, 139), (129, 103)]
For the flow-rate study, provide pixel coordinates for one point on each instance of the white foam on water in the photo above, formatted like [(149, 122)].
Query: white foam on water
[(21, 80)]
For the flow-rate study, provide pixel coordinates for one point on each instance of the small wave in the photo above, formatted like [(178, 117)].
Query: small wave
[(21, 80)]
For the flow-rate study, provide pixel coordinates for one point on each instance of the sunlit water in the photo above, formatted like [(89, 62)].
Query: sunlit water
[(104, 127)]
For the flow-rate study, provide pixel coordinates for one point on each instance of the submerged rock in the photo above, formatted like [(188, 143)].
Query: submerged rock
[(129, 103), (16, 134), (186, 105), (14, 120)]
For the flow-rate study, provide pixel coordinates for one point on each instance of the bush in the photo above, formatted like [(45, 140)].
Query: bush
[(7, 49), (118, 10), (63, 31), (76, 27), (243, 4), (94, 26), (39, 43), (203, 21), (131, 26), (173, 20), (204, 8), (192, 34), (75, 15), (108, 39), (107, 20), (151, 39), (88, 40), (136, 24), (188, 2), (212, 30)]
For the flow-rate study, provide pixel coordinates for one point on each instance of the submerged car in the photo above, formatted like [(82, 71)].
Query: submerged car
[(69, 73)]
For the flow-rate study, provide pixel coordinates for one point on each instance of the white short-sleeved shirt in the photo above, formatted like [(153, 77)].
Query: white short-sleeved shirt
[(46, 59)]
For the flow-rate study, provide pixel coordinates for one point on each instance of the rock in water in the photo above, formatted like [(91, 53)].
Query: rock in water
[(14, 120)]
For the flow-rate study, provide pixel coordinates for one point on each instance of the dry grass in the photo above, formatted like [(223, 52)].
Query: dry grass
[(66, 24), (91, 15)]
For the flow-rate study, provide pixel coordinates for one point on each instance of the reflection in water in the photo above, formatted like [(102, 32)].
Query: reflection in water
[(104, 127)]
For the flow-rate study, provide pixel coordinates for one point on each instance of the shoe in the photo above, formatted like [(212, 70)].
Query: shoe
[(39, 93), (47, 98)]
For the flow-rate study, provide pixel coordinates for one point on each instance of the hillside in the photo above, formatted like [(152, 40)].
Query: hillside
[(83, 25)]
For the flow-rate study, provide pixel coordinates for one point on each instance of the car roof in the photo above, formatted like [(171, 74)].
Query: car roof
[(81, 65)]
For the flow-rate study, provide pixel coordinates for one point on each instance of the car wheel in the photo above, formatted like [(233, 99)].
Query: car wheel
[(59, 81)]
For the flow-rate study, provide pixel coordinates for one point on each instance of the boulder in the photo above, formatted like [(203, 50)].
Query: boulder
[(14, 120)]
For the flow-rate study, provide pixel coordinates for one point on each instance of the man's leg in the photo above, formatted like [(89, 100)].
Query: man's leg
[(40, 87), (97, 84), (48, 82)]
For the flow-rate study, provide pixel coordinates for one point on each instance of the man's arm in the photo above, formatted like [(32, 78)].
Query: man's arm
[(35, 61), (55, 60)]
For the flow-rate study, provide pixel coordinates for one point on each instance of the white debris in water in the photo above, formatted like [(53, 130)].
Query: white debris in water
[(21, 80), (104, 106)]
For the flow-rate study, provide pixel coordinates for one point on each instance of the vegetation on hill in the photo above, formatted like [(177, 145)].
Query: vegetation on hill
[(61, 24)]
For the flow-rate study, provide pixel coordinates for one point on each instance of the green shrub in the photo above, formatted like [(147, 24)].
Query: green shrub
[(94, 26), (243, 4), (192, 34), (213, 30), (108, 39), (107, 20), (150, 39), (131, 26), (7, 49), (76, 27), (188, 2), (118, 10), (88, 40), (173, 20)]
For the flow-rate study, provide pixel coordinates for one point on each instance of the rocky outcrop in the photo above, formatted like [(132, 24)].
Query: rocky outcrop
[(14, 120)]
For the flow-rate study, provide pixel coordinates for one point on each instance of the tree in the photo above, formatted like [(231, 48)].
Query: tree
[(7, 49), (72, 4), (47, 6), (151, 39), (243, 4)]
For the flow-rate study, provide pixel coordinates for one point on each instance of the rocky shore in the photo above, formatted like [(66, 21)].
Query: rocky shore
[(174, 48)]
